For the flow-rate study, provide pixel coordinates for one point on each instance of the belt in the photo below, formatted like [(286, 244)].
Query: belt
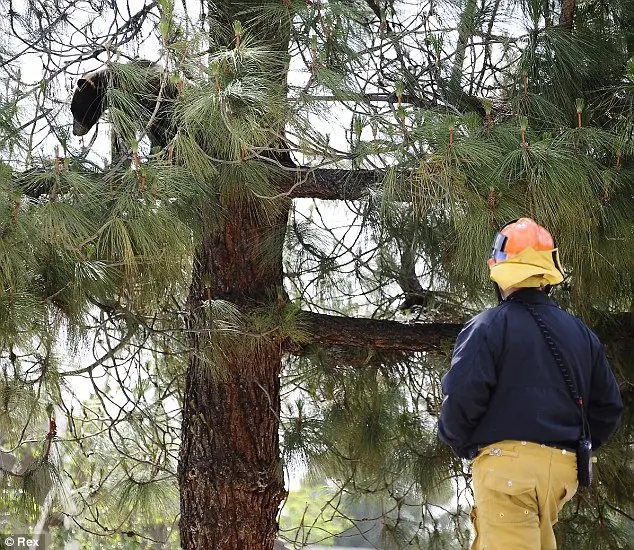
[(497, 451), (562, 447)]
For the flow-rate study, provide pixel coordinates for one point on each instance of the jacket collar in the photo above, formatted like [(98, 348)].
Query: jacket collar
[(530, 295)]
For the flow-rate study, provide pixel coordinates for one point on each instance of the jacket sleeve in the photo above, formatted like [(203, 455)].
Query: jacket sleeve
[(467, 387), (605, 405)]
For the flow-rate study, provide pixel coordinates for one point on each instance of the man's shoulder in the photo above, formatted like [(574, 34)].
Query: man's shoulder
[(490, 314), (580, 327), (565, 316), (488, 317)]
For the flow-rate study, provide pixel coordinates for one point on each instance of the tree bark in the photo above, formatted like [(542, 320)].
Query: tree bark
[(566, 18), (229, 472), (329, 183), (331, 331)]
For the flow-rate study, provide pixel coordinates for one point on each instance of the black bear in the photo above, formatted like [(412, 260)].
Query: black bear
[(141, 79)]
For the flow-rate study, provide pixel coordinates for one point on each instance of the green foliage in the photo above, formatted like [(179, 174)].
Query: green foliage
[(370, 431), (311, 515), (468, 114)]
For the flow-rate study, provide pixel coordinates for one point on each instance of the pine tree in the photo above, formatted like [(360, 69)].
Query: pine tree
[(277, 281)]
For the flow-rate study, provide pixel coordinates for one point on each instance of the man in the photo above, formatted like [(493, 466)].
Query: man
[(507, 405)]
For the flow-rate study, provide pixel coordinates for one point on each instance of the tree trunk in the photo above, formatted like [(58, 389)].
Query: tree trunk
[(566, 18), (230, 473)]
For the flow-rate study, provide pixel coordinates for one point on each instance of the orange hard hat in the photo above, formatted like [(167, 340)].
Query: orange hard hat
[(517, 236)]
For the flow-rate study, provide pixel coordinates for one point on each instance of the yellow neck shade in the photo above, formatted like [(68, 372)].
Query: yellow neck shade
[(529, 268)]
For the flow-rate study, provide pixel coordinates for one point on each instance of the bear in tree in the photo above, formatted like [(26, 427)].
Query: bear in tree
[(144, 85)]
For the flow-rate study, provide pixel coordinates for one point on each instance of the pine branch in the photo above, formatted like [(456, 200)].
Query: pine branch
[(375, 8), (349, 332), (616, 327), (619, 510), (330, 183), (330, 330), (303, 182), (382, 97)]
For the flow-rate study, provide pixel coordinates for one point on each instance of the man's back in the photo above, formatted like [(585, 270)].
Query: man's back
[(505, 384), (520, 375)]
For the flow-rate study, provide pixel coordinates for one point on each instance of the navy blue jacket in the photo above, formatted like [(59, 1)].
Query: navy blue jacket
[(505, 384)]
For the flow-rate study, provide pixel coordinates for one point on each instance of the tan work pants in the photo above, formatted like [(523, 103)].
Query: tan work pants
[(519, 489)]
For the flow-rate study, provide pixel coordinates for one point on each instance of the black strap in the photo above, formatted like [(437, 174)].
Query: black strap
[(568, 377)]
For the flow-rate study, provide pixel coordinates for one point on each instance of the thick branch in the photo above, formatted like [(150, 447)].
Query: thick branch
[(317, 183), (436, 338), (330, 184), (329, 330)]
